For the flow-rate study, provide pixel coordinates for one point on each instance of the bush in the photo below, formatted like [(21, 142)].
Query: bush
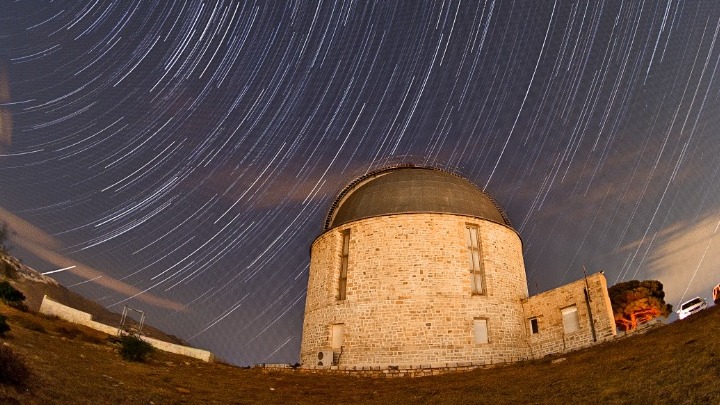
[(10, 294), (12, 367), (7, 270), (133, 348), (4, 327)]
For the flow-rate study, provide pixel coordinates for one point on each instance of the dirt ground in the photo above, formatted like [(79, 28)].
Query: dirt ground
[(675, 363)]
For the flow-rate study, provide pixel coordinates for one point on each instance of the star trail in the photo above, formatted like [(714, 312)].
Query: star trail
[(180, 156)]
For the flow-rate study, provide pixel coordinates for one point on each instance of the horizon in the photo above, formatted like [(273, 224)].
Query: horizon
[(180, 158)]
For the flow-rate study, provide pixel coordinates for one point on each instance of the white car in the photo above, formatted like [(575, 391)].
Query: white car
[(690, 307)]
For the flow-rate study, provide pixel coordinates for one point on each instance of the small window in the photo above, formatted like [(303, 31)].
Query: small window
[(337, 338), (476, 272), (534, 328), (344, 264), (480, 331), (571, 322)]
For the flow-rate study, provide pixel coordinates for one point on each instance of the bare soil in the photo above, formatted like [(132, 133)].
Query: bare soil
[(675, 363)]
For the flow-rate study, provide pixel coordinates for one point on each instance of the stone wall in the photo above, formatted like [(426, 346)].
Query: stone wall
[(50, 307), (377, 371), (546, 308), (409, 301)]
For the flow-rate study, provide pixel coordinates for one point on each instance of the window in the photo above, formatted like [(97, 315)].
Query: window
[(571, 323), (337, 336), (534, 328), (480, 330), (476, 275), (344, 264)]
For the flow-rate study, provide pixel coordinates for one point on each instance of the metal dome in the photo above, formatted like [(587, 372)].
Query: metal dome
[(409, 189)]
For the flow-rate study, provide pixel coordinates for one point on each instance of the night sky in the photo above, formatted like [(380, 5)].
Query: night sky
[(182, 156)]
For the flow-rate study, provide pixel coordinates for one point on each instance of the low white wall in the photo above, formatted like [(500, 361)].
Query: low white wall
[(50, 307), (179, 349)]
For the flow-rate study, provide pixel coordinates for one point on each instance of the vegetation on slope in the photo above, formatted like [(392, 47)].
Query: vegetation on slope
[(69, 364)]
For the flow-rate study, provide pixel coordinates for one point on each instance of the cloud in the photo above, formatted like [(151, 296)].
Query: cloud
[(39, 243), (686, 260), (266, 188), (667, 232)]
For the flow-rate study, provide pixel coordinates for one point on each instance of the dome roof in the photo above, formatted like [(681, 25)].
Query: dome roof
[(402, 190)]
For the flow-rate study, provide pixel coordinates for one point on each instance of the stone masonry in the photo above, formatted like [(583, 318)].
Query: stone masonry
[(398, 299), (409, 297), (546, 308)]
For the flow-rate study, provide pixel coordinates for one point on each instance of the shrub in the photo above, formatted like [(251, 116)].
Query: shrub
[(12, 367), (9, 294), (133, 348), (12, 296), (4, 327), (7, 270)]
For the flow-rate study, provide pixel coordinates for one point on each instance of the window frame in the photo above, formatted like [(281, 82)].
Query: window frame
[(337, 336), (534, 324), (477, 271), (477, 337), (344, 258), (567, 326)]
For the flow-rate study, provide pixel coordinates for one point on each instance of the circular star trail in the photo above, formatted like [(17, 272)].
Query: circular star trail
[(180, 156)]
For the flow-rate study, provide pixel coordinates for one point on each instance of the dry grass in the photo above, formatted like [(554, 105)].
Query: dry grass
[(677, 363)]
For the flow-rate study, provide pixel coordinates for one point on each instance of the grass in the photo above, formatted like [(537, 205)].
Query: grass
[(676, 363)]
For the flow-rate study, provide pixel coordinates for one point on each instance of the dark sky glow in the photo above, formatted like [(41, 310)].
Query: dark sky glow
[(183, 155)]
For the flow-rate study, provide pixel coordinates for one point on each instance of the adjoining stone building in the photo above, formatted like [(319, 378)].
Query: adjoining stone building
[(419, 267)]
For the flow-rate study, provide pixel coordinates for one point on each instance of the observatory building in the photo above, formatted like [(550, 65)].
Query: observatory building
[(419, 267)]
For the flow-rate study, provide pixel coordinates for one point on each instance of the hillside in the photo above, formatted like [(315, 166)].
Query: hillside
[(35, 285), (675, 363)]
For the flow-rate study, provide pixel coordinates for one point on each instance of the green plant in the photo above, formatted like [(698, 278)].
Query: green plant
[(4, 327), (133, 348), (12, 367)]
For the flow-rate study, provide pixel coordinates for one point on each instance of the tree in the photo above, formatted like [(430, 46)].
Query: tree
[(635, 302)]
